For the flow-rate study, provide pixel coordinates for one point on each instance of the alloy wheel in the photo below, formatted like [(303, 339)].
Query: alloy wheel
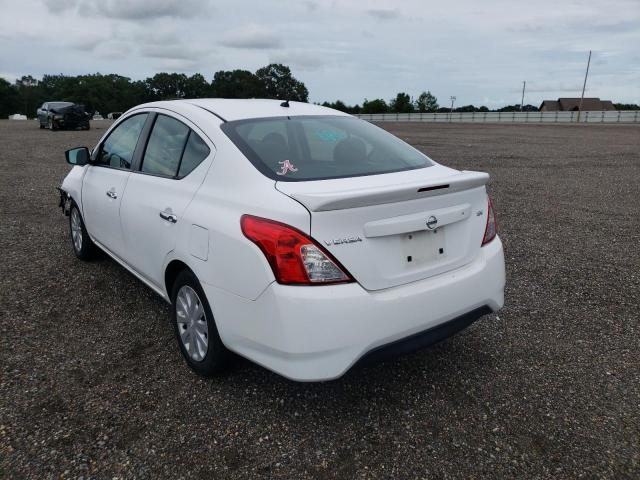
[(192, 323), (76, 229)]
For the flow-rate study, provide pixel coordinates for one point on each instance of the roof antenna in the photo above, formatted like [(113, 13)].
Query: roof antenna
[(285, 104)]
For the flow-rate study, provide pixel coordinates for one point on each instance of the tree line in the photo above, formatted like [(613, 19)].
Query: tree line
[(116, 93), (425, 102)]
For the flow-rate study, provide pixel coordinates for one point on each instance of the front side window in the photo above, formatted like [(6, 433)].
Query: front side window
[(321, 147), (117, 150)]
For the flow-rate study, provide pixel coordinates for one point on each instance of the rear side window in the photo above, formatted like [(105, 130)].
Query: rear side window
[(117, 150), (194, 153), (165, 146), (173, 149), (321, 147)]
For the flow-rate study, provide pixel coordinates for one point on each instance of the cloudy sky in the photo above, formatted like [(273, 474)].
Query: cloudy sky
[(479, 51)]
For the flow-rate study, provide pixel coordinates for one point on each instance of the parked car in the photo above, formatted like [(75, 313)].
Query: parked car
[(114, 115), (295, 235), (63, 115)]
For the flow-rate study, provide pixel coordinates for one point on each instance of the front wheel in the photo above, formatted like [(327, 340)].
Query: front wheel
[(83, 246), (195, 327)]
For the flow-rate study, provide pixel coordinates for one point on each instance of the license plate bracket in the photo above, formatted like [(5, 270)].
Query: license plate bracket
[(422, 247)]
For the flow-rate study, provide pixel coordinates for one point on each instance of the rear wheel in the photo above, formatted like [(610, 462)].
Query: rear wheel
[(195, 328), (83, 246)]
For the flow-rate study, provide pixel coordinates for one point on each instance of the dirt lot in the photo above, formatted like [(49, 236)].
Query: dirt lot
[(92, 383)]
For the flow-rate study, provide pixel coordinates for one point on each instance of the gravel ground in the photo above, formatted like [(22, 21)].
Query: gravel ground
[(92, 383)]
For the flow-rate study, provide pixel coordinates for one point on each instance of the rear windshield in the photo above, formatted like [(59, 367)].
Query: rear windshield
[(321, 147), (59, 104)]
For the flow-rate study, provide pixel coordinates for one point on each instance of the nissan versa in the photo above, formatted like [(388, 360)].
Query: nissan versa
[(297, 236)]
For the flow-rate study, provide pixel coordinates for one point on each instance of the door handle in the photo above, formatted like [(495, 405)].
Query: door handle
[(168, 216), (112, 193)]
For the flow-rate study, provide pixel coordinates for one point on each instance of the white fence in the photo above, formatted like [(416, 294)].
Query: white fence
[(615, 116)]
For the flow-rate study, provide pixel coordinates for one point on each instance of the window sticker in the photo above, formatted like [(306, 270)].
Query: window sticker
[(286, 166), (330, 136)]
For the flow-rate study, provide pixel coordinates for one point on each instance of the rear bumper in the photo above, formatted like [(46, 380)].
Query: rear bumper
[(421, 340), (318, 333)]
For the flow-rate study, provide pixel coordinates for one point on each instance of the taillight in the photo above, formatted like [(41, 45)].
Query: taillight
[(492, 226), (295, 258)]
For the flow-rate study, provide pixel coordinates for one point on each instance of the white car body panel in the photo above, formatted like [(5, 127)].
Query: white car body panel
[(240, 109), (309, 334), (301, 332), (148, 239), (101, 212), (401, 255)]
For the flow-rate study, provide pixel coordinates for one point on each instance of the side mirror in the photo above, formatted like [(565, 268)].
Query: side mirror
[(77, 156)]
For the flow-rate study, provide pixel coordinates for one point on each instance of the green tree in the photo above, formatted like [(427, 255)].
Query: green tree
[(104, 93), (466, 109), (237, 84), (340, 105), (9, 99), (374, 106), (197, 86), (167, 86), (279, 83), (401, 104), (30, 95), (626, 106), (427, 102), (516, 108)]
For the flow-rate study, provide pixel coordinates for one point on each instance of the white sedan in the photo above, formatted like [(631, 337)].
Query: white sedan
[(295, 235)]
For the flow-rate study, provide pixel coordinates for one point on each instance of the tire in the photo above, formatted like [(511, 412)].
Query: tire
[(41, 126), (83, 246), (197, 323), (52, 124)]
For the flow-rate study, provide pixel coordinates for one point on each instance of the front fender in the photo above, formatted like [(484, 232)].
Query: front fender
[(72, 185)]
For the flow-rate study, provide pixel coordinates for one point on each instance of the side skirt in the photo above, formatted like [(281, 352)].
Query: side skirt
[(134, 272)]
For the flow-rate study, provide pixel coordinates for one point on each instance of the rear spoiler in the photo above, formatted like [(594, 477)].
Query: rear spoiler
[(315, 198)]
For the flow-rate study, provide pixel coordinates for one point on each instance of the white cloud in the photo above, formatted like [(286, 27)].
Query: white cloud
[(343, 48), (384, 13), (252, 36), (300, 59), (130, 9)]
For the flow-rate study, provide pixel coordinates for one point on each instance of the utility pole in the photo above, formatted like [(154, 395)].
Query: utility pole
[(524, 84), (584, 85), (453, 99)]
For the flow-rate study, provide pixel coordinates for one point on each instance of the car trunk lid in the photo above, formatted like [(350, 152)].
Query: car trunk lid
[(397, 228)]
